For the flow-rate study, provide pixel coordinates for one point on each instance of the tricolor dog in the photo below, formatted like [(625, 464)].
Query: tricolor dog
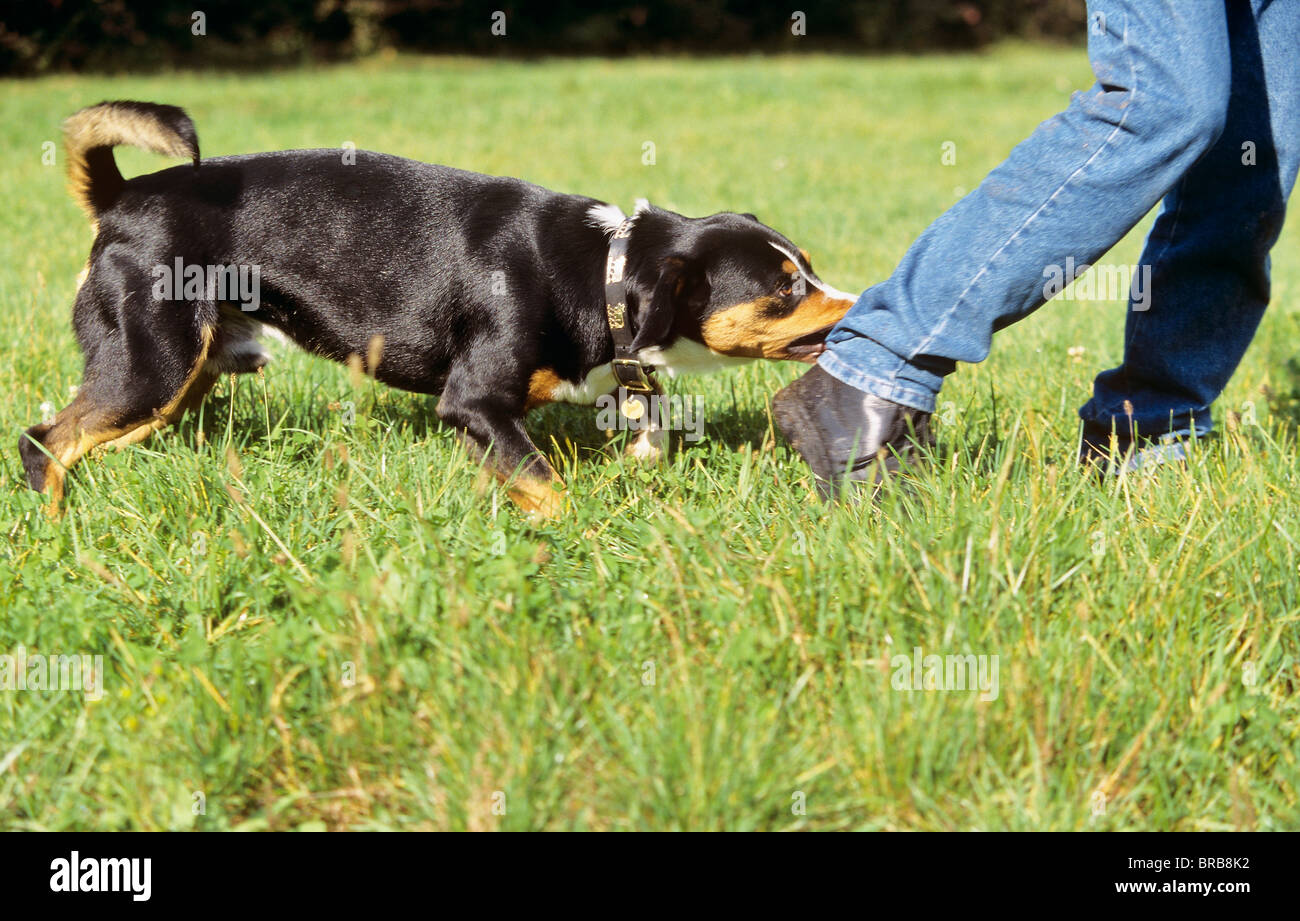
[(493, 293)]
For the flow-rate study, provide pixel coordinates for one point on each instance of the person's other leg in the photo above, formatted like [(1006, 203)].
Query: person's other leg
[(1208, 251), (1080, 182)]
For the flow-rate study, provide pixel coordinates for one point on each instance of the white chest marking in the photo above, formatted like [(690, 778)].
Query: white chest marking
[(685, 356), (599, 381)]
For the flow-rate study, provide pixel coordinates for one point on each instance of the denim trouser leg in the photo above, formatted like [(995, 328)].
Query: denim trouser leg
[(1073, 188), (1208, 250)]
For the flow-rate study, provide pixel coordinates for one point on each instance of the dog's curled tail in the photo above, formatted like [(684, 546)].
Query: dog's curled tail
[(91, 134)]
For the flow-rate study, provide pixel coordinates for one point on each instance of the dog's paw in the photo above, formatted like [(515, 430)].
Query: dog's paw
[(540, 500), (651, 446)]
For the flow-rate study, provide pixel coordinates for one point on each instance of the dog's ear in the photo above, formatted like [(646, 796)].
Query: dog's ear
[(682, 285)]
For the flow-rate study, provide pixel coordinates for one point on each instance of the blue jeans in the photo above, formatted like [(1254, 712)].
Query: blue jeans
[(1196, 102)]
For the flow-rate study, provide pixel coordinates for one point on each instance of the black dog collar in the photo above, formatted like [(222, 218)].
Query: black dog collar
[(628, 370)]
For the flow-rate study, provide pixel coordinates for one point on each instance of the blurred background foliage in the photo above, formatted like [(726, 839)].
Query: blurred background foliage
[(38, 36)]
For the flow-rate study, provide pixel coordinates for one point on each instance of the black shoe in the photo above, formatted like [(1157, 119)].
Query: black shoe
[(1115, 454), (845, 434)]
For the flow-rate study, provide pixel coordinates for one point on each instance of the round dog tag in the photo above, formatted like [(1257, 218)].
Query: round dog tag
[(633, 408)]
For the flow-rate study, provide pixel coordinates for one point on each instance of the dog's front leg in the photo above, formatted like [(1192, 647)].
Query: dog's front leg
[(650, 446), (497, 434), (651, 443), (530, 480)]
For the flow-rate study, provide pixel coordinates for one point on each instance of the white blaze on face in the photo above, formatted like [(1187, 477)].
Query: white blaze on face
[(806, 272)]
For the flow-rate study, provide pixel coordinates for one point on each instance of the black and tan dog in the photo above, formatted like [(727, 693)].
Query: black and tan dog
[(488, 291)]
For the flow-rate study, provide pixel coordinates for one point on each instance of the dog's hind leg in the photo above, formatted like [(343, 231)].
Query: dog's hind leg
[(123, 399)]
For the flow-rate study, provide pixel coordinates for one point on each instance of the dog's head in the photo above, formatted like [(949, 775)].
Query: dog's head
[(730, 283)]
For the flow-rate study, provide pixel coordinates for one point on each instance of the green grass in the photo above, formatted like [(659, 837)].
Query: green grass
[(694, 644)]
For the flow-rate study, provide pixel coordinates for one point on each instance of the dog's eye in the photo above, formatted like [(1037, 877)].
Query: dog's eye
[(786, 289)]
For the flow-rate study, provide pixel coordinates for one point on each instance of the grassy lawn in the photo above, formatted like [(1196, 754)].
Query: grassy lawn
[(312, 620)]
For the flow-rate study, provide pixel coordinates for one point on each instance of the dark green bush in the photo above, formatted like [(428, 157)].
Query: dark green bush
[(42, 35)]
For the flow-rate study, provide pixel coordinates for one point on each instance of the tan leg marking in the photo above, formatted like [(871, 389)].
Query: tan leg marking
[(538, 498), (541, 387), (76, 430)]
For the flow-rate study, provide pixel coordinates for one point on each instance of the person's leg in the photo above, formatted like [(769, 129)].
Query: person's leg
[(1080, 182), (1208, 251)]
